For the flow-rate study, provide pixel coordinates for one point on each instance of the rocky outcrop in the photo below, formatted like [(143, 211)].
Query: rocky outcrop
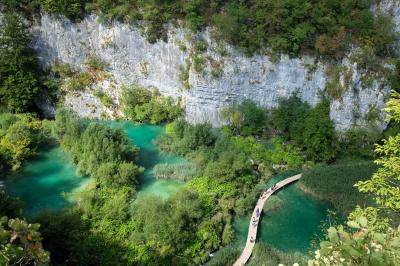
[(134, 60)]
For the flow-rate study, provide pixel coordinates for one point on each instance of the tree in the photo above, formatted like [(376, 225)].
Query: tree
[(19, 69), (385, 183), (289, 117), (319, 137), (246, 118), (20, 136), (367, 238), (20, 243)]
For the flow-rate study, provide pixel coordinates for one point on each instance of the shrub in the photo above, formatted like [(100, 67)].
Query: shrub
[(106, 100), (198, 63), (79, 82), (184, 75), (74, 9), (285, 154), (319, 136), (142, 105), (289, 117), (64, 70), (93, 62), (246, 118)]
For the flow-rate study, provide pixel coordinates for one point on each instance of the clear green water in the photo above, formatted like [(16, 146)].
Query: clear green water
[(291, 227), (143, 137), (42, 182)]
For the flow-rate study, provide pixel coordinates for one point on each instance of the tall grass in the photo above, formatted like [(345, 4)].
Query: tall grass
[(181, 171), (335, 183)]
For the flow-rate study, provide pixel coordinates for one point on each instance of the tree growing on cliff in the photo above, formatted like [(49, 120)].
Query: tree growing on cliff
[(19, 69)]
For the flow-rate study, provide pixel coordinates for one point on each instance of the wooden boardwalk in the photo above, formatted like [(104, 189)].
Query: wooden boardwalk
[(255, 218)]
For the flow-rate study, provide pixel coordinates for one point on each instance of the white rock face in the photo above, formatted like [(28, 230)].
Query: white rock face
[(133, 60)]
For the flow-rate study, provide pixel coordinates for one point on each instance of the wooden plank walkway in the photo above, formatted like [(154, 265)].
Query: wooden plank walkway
[(255, 218)]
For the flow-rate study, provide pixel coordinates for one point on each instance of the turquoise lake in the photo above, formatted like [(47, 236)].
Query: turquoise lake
[(291, 227), (43, 181)]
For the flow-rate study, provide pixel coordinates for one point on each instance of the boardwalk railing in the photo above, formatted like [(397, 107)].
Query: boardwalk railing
[(255, 218)]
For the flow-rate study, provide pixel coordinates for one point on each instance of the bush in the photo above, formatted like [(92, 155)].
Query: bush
[(289, 117), (246, 118), (93, 62), (319, 137), (20, 243), (64, 70), (106, 100), (186, 137), (99, 151), (284, 154), (79, 82), (142, 105), (20, 136), (359, 143), (73, 9)]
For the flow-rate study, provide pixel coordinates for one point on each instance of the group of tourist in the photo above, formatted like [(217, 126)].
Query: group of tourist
[(258, 212)]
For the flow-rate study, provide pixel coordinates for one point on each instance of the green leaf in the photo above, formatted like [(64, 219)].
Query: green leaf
[(353, 224), (362, 221)]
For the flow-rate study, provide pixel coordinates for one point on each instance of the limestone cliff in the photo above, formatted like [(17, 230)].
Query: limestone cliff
[(227, 78)]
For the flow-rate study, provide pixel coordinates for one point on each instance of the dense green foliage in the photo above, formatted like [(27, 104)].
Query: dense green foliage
[(20, 243), (20, 75), (326, 27), (144, 105), (98, 150), (10, 206), (246, 118), (319, 136), (289, 117), (309, 128), (108, 226), (227, 168), (384, 184), (368, 237), (20, 136), (335, 183)]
